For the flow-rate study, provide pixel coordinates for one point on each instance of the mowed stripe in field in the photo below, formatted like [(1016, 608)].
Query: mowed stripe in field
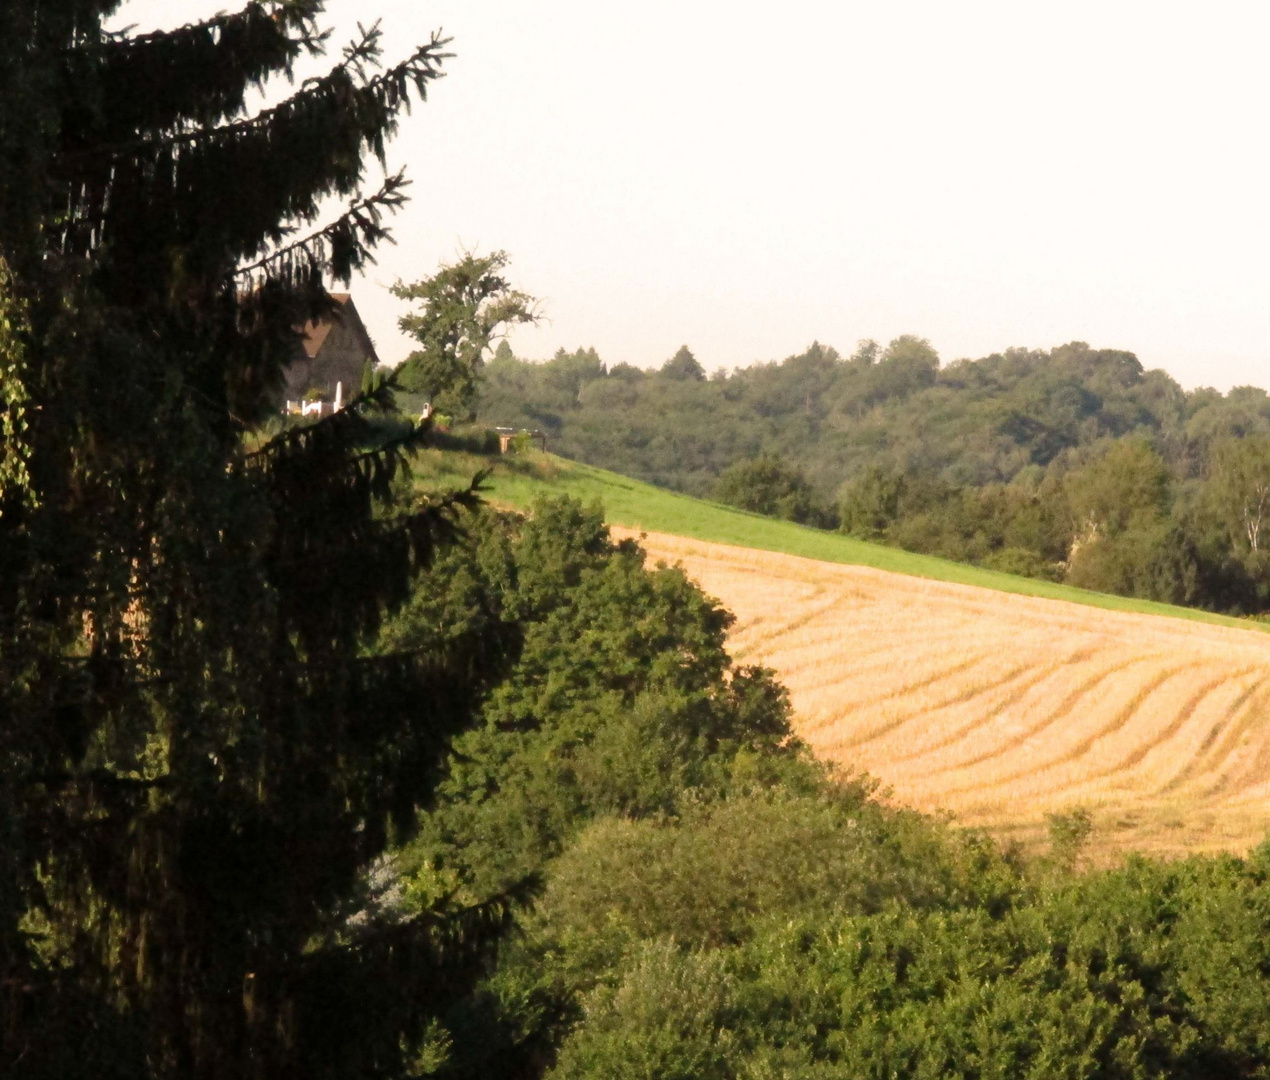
[(1002, 708)]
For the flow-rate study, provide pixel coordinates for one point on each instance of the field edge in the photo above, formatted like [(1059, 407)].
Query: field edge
[(636, 505)]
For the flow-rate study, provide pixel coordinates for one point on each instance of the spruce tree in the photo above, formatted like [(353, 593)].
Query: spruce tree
[(199, 757)]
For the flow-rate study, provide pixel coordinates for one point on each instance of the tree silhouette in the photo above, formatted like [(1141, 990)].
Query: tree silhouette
[(200, 757)]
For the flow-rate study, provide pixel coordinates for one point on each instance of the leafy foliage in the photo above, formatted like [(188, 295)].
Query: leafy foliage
[(720, 871), (1147, 971), (14, 449), (620, 699), (1240, 489), (968, 423), (766, 485), (462, 307), (1072, 465), (721, 906)]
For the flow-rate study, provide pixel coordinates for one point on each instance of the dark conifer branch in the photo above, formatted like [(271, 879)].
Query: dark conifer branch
[(199, 73), (285, 15), (219, 769), (172, 184), (340, 248), (391, 87), (102, 778)]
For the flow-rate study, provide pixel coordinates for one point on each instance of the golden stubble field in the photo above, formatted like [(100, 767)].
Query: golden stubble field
[(1000, 709)]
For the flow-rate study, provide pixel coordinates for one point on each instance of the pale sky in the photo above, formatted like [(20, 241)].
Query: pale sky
[(748, 178)]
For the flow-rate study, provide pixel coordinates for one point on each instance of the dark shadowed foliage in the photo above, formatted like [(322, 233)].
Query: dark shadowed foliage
[(199, 759)]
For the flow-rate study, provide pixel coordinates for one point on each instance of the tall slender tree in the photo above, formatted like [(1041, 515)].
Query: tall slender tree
[(1239, 489), (198, 757)]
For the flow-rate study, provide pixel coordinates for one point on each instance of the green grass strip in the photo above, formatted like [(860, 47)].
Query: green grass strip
[(516, 481)]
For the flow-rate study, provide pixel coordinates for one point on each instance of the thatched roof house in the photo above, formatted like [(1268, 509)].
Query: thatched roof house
[(332, 356)]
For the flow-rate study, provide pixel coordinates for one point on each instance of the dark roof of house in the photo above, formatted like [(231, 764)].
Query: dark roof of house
[(315, 333)]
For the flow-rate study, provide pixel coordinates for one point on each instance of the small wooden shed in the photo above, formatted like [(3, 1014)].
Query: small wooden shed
[(507, 436)]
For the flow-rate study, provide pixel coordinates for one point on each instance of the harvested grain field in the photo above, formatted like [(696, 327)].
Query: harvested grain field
[(1001, 708)]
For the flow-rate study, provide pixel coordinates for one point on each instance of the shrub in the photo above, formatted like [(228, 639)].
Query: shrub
[(766, 485)]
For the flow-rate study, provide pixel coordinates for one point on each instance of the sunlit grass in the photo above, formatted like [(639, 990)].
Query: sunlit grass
[(515, 481)]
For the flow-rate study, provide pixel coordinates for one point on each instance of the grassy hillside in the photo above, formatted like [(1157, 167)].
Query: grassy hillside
[(515, 481)]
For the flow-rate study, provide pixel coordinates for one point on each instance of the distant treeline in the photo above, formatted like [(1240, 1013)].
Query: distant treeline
[(1073, 464)]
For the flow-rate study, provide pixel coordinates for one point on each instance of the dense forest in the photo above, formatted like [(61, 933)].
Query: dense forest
[(1073, 464)]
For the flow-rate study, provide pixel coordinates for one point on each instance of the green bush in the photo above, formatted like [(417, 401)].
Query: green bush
[(767, 485), (670, 1018), (1024, 562), (720, 869), (617, 693)]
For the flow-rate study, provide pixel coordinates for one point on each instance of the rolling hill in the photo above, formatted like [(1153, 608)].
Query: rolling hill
[(995, 698)]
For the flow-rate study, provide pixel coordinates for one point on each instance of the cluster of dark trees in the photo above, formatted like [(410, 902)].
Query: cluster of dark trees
[(1073, 464), (307, 774), (1115, 518)]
